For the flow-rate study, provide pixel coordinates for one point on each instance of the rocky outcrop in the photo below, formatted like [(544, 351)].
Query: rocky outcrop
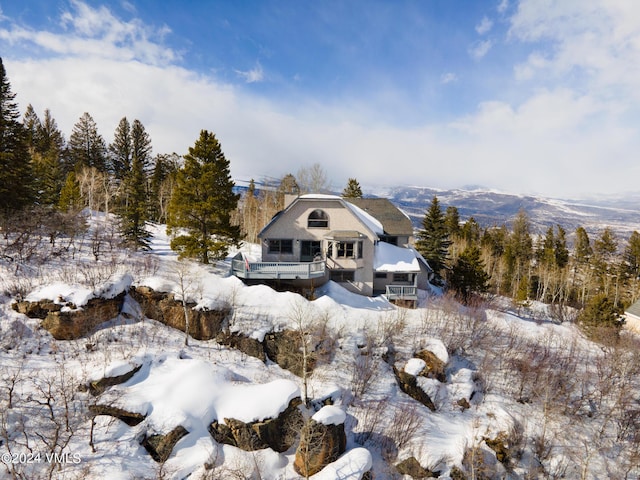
[(38, 309), (278, 433), (435, 367), (247, 345), (409, 385), (96, 387), (285, 349), (163, 307), (161, 446), (130, 418), (72, 324), (412, 467), (319, 446)]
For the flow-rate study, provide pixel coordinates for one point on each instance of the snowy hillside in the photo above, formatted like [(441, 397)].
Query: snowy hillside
[(441, 391)]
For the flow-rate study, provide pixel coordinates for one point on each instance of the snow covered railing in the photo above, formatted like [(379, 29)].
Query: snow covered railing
[(277, 270), (401, 292)]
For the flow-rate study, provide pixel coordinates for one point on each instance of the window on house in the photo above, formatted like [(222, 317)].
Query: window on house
[(280, 246), (318, 219), (360, 249), (400, 277), (345, 250), (393, 240), (381, 275), (342, 275)]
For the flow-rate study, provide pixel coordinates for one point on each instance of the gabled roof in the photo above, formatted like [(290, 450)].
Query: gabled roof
[(394, 221), (634, 309)]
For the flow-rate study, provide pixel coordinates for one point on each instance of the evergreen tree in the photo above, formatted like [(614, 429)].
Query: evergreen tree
[(86, 146), (16, 180), (561, 250), (70, 197), (452, 222), (433, 240), (162, 180), (470, 231), (120, 150), (46, 145), (582, 250), (134, 210), (352, 190), (468, 273), (632, 255), (202, 203)]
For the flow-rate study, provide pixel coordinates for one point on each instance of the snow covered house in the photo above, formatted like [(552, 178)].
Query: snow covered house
[(363, 244), (632, 317)]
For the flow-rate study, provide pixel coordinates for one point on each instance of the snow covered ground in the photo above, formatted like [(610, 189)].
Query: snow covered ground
[(521, 397)]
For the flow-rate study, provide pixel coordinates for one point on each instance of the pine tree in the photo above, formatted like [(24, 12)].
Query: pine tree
[(86, 146), (433, 240), (134, 209), (161, 184), (452, 222), (202, 203), (352, 190), (70, 197), (16, 180), (120, 150), (468, 273)]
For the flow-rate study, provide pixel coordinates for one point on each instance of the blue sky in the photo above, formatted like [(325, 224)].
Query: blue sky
[(527, 96)]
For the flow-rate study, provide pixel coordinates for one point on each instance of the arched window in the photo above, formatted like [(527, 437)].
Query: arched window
[(318, 219)]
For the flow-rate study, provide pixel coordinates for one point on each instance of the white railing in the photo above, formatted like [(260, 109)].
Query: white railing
[(401, 292), (275, 270)]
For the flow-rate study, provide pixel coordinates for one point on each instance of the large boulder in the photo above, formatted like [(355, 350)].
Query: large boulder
[(96, 387), (409, 384), (247, 345), (72, 324), (130, 418), (285, 349), (322, 441), (278, 433), (412, 467), (161, 446), (435, 368), (163, 307)]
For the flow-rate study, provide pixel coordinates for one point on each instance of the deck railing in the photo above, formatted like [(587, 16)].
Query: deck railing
[(401, 292), (277, 270)]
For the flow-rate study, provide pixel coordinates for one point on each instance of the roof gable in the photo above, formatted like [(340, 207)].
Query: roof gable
[(393, 220)]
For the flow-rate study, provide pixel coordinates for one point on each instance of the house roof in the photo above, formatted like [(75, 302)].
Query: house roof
[(394, 221), (389, 258), (634, 309)]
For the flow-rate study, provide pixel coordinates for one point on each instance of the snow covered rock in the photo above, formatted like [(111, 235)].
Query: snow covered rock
[(163, 307), (409, 384), (278, 433), (322, 441), (161, 446), (284, 348), (434, 366)]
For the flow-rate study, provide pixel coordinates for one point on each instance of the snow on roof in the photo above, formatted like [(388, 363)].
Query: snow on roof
[(330, 415), (370, 221), (390, 258)]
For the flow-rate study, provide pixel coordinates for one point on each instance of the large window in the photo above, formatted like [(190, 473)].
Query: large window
[(345, 250), (280, 246), (318, 219), (342, 275)]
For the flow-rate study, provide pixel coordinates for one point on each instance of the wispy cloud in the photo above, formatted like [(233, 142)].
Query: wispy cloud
[(502, 6), (448, 77), (88, 31), (479, 49), (254, 75), (484, 26)]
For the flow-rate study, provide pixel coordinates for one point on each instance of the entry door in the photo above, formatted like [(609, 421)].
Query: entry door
[(309, 249)]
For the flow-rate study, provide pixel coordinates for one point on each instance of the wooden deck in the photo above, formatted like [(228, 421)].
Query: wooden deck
[(277, 270)]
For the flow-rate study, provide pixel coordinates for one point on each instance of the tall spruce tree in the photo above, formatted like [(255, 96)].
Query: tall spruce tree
[(134, 210), (86, 146), (352, 190), (433, 239), (120, 150), (202, 203), (16, 180), (468, 274)]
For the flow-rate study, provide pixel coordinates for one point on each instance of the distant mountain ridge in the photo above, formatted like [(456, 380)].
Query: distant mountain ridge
[(489, 207)]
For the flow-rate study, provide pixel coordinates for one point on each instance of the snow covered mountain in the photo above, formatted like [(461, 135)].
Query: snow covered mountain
[(489, 207)]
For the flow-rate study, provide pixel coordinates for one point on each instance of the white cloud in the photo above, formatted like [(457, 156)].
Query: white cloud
[(256, 74), (502, 6), (448, 77), (479, 49), (96, 32), (484, 26)]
